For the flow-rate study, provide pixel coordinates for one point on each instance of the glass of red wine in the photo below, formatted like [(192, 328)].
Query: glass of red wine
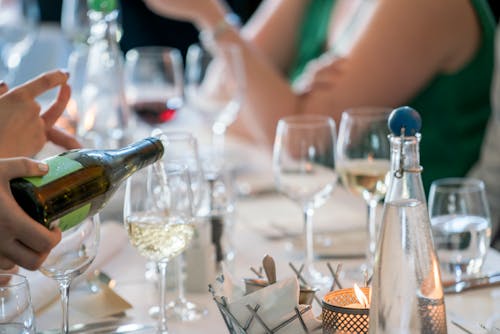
[(154, 83)]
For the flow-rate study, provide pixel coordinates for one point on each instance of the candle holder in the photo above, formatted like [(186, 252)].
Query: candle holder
[(338, 318)]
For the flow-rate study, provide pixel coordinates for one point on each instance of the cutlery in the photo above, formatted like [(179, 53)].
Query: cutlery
[(477, 282)]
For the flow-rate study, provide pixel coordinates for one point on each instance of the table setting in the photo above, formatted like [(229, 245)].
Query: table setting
[(245, 247)]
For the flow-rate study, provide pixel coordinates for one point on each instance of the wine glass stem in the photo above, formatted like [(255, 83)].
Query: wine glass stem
[(372, 232), (162, 322), (180, 278), (308, 234), (64, 293), (218, 137)]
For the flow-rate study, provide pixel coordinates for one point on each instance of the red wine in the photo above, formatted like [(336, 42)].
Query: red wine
[(157, 112)]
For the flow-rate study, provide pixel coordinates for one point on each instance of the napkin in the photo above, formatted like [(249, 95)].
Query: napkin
[(44, 290), (277, 304)]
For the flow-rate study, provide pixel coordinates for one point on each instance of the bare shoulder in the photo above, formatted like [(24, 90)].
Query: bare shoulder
[(451, 27)]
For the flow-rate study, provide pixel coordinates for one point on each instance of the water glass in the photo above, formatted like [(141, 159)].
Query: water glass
[(461, 225), (16, 310)]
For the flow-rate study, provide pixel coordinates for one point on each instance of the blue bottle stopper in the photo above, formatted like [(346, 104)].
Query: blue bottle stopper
[(405, 118)]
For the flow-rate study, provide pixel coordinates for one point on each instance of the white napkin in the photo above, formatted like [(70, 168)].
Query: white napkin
[(44, 289), (277, 304)]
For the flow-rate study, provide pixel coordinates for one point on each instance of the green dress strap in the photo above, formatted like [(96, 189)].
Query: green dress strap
[(312, 36)]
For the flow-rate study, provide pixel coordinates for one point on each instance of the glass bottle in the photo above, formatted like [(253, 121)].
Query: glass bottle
[(407, 294), (104, 112), (80, 182)]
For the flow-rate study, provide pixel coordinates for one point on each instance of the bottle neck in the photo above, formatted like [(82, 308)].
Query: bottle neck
[(130, 159), (104, 26), (406, 180)]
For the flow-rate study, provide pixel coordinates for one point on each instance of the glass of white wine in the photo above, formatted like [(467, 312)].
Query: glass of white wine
[(158, 218), (16, 311), (363, 162), (183, 149), (303, 164), (70, 258)]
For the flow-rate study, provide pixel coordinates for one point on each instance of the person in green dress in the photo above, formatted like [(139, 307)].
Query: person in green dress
[(324, 56)]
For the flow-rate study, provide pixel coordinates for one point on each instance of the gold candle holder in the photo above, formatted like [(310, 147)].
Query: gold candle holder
[(339, 318)]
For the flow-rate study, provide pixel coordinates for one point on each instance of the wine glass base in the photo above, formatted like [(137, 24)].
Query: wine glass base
[(316, 279), (184, 311)]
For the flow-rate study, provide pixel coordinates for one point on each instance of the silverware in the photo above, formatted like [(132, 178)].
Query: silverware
[(477, 282)]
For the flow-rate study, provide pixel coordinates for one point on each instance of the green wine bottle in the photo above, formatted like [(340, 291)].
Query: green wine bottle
[(80, 182)]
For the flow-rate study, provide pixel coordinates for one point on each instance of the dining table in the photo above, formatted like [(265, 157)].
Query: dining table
[(263, 222)]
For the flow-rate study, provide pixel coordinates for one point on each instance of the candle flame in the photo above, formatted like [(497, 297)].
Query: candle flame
[(360, 296)]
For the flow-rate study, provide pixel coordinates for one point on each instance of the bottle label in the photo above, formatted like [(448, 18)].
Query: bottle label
[(60, 166)]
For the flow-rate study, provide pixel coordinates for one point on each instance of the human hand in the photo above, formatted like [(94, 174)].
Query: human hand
[(13, 270), (320, 73), (23, 241), (203, 13), (23, 129)]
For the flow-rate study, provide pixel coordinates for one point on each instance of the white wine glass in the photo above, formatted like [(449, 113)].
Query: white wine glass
[(16, 311), (154, 83), (461, 225), (158, 218), (363, 163), (215, 89), (183, 149), (18, 29), (303, 164), (70, 258)]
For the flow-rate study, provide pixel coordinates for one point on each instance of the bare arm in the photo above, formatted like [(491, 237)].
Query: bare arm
[(406, 43)]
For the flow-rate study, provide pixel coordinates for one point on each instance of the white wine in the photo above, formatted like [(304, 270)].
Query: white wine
[(364, 177), (80, 182), (158, 237)]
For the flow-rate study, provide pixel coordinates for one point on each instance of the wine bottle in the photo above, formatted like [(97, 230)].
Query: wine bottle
[(80, 182)]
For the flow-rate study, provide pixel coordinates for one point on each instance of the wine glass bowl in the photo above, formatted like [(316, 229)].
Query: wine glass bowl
[(18, 23), (303, 164), (16, 311), (154, 83), (461, 225), (71, 257), (363, 162)]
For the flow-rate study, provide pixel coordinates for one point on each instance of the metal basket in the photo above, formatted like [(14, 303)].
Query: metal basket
[(339, 319)]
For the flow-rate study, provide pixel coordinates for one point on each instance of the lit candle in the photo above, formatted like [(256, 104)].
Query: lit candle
[(362, 300)]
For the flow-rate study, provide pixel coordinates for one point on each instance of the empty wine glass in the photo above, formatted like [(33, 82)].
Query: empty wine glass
[(363, 163), (158, 218), (461, 225), (154, 83), (16, 311), (70, 258), (215, 89), (183, 149), (18, 27), (303, 164), (75, 23)]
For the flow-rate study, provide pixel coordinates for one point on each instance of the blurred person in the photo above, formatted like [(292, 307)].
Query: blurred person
[(488, 166), (326, 56), (23, 132)]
